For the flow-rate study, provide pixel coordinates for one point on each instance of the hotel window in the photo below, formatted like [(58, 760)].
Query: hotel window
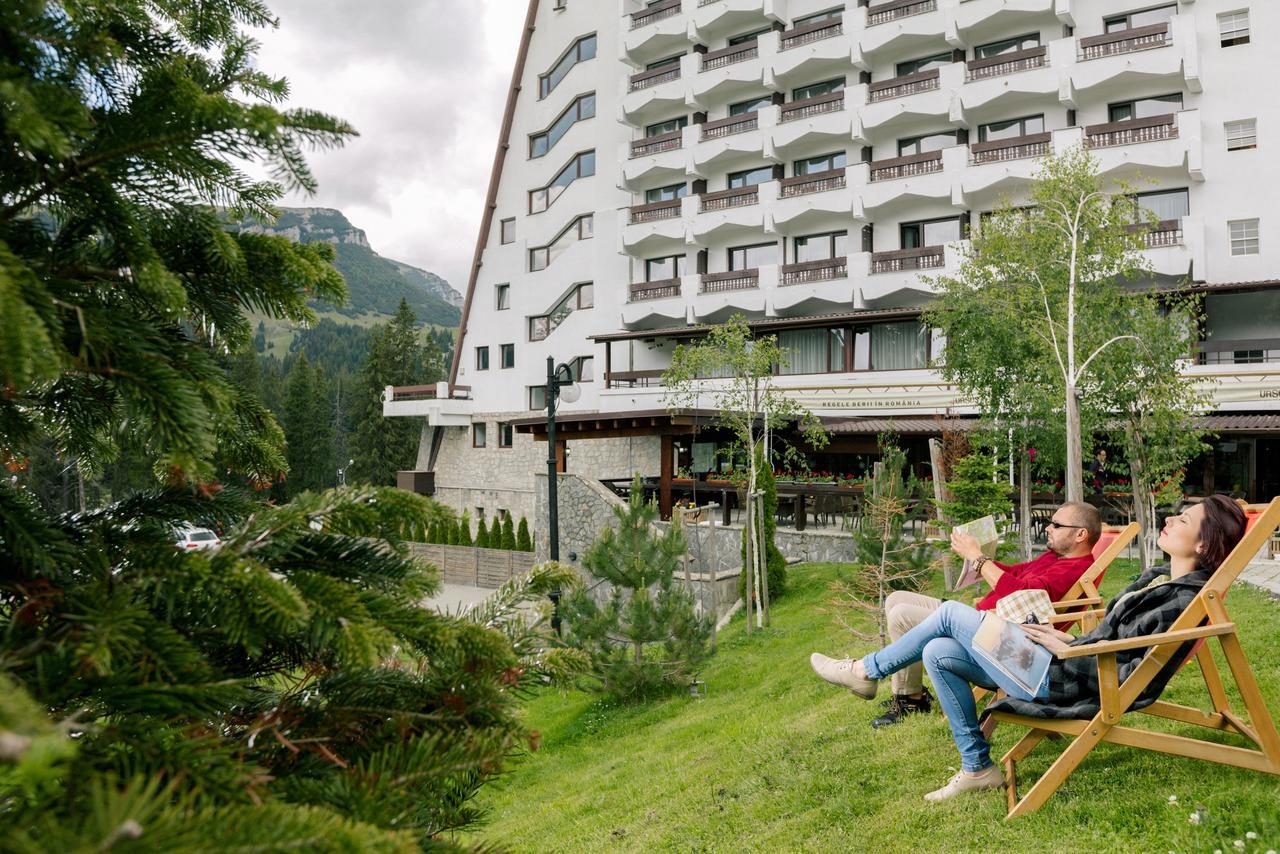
[(1144, 18), (1011, 128), (666, 194), (811, 351), (932, 232), (479, 432), (1141, 108), (482, 358), (662, 269), (927, 142), (659, 63), (891, 346), (753, 257), (750, 106), (586, 295), (820, 247), (507, 231), (668, 126), (581, 166), (582, 50), (817, 17), (508, 355), (506, 435), (821, 163), (582, 228), (583, 369), (747, 37), (750, 177), (1164, 204), (537, 397), (583, 107), (502, 297), (1013, 45), (813, 90), (924, 63), (1233, 28), (1241, 134), (1244, 236)]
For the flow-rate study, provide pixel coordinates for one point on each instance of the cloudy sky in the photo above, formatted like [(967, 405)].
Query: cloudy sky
[(424, 82)]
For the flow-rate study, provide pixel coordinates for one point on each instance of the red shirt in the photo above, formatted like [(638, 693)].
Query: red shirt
[(1049, 572)]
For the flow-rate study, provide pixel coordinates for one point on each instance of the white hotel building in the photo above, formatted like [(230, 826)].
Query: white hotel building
[(664, 166)]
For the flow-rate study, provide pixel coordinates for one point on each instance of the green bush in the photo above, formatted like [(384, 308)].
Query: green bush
[(464, 528), (974, 491), (508, 535), (524, 543), (482, 534)]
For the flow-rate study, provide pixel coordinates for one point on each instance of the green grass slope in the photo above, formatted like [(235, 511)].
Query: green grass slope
[(773, 759)]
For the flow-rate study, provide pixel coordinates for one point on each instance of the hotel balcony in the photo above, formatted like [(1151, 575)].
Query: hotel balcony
[(658, 303), (657, 160), (821, 119), (738, 210), (1007, 166), (897, 274), (730, 72), (729, 139), (716, 19), (1155, 146), (657, 30), (806, 202), (721, 295), (813, 287), (1174, 247), (1119, 62), (899, 28), (442, 404), (812, 52), (648, 228), (1006, 82), (657, 92), (895, 181), (973, 22), (911, 98)]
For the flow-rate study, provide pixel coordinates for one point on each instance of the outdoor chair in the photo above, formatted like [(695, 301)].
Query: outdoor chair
[(1206, 617)]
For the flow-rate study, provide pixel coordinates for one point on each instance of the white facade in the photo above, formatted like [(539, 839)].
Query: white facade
[(1187, 74)]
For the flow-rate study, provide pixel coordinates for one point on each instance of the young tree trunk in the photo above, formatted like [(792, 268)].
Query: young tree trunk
[(1074, 478), (1024, 506), (1143, 503), (762, 553)]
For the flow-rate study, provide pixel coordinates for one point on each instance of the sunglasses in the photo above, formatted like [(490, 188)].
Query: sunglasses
[(1056, 524)]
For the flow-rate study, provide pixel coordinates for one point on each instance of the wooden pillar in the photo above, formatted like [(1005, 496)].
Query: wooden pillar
[(665, 474), (561, 456)]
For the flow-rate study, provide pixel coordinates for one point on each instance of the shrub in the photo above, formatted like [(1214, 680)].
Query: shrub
[(524, 543), (482, 534), (508, 537), (464, 528)]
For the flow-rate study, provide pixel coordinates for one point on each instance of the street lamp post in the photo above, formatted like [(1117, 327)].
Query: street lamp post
[(554, 384)]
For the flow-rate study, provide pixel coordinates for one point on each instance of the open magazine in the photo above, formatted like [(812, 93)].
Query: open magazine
[(984, 531), (1010, 651)]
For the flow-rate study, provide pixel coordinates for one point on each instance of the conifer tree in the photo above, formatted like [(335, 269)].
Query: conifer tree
[(524, 543), (464, 528), (308, 429), (643, 636), (508, 534), (482, 534)]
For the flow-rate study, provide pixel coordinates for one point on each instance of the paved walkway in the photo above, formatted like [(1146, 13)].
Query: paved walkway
[(1264, 574), (454, 597)]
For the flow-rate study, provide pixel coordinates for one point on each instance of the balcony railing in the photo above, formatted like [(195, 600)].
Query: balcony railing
[(729, 55), (907, 84), (1124, 41), (655, 13), (641, 291), (1015, 148), (654, 77), (883, 13), (656, 144), (898, 260), (654, 211), (1006, 63), (809, 33), (734, 280), (728, 127), (905, 166), (1244, 351), (1166, 232), (720, 200), (814, 271), (428, 392), (1130, 131), (633, 379), (832, 102), (814, 182)]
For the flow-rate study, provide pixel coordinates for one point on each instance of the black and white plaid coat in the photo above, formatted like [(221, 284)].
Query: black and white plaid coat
[(1073, 682)]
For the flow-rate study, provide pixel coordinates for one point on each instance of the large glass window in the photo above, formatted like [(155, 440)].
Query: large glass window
[(810, 351), (666, 194), (508, 355), (1241, 317), (924, 63), (750, 177), (537, 397), (751, 257), (929, 232), (743, 38), (817, 17), (582, 228), (581, 50), (1141, 108), (1164, 204), (898, 346), (502, 297), (507, 230), (926, 142), (583, 107), (1013, 45), (821, 247), (581, 166), (813, 90), (661, 269), (821, 163), (1144, 18), (482, 358), (1010, 128), (668, 126), (750, 106)]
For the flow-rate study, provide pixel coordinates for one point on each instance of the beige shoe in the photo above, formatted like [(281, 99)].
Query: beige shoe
[(839, 671), (990, 778)]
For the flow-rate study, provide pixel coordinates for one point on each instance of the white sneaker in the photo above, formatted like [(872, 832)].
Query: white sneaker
[(990, 778), (839, 671)]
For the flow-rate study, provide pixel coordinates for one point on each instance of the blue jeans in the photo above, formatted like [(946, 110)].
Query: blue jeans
[(943, 642)]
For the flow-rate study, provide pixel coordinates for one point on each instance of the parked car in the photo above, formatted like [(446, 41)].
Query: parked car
[(191, 537)]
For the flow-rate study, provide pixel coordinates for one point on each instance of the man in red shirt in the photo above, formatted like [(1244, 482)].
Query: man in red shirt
[(1070, 537)]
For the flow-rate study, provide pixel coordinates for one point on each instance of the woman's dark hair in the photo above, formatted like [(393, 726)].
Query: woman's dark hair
[(1221, 529)]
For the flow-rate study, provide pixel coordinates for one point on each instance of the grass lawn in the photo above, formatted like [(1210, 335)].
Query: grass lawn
[(773, 759)]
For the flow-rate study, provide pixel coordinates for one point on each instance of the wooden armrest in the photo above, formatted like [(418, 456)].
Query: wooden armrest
[(1078, 603), (1103, 647), (1077, 616)]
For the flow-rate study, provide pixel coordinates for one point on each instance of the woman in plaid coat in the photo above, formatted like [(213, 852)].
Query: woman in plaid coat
[(1196, 541)]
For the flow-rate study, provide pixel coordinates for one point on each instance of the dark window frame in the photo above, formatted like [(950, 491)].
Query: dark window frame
[(502, 297), (1127, 17), (1132, 104), (545, 87), (920, 223), (942, 58), (575, 164), (575, 106), (482, 358), (1018, 41), (503, 237), (908, 141), (480, 434), (1022, 122), (506, 356), (506, 434), (832, 156), (744, 248)]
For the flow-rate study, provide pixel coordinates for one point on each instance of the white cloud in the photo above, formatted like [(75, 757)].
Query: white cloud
[(424, 82)]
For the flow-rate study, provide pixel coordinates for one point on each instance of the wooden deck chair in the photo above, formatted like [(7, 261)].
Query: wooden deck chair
[(1206, 617)]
